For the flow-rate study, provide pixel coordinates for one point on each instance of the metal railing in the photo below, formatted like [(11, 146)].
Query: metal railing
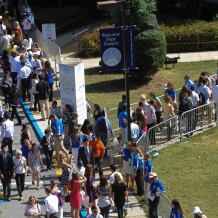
[(164, 206), (177, 127)]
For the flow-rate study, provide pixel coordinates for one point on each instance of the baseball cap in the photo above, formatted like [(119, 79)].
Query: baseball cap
[(192, 87), (151, 175)]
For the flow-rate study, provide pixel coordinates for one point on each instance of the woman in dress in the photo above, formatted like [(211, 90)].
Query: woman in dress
[(90, 187), (104, 201), (176, 211), (119, 194), (48, 75), (17, 28), (35, 163), (17, 38), (55, 190), (14, 101), (76, 142), (32, 209), (47, 143), (66, 165), (75, 198), (20, 172), (26, 141)]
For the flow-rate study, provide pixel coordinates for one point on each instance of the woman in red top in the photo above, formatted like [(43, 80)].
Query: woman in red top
[(75, 198)]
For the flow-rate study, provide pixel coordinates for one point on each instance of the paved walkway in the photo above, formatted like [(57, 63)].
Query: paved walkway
[(184, 57)]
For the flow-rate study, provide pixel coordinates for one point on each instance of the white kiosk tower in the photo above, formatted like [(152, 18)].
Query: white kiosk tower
[(72, 88)]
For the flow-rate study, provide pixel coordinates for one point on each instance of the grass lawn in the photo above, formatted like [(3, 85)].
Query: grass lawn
[(107, 89), (189, 172)]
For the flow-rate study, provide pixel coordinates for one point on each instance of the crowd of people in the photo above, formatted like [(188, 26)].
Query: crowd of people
[(152, 112)]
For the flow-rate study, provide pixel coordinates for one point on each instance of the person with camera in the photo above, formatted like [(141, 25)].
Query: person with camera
[(27, 20)]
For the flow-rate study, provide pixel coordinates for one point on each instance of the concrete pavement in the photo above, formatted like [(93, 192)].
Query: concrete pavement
[(184, 57)]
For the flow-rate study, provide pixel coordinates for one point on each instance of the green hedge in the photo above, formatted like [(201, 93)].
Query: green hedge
[(190, 32)]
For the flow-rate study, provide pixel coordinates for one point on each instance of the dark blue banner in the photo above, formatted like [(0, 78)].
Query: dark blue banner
[(112, 58)]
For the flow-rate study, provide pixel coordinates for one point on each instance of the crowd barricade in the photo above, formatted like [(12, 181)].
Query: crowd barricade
[(164, 207)]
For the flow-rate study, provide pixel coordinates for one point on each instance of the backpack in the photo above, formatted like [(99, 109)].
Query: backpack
[(202, 99)]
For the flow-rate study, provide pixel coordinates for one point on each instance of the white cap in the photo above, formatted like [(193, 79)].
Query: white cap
[(196, 210), (151, 175)]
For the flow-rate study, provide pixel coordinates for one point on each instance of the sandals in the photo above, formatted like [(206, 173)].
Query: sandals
[(37, 188)]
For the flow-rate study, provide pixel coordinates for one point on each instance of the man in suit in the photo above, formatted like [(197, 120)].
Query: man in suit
[(6, 171), (85, 154)]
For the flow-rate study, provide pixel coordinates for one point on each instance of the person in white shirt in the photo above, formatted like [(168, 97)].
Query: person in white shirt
[(94, 213), (20, 172), (2, 27), (51, 204), (23, 74), (27, 41), (7, 133), (6, 40), (13, 60), (26, 22), (114, 171)]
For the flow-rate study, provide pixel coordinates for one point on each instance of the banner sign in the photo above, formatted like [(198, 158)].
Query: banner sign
[(112, 57)]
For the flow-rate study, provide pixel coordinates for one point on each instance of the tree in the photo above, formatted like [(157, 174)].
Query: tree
[(150, 40)]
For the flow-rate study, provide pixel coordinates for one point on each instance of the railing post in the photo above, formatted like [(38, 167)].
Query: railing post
[(87, 49), (180, 126), (79, 43)]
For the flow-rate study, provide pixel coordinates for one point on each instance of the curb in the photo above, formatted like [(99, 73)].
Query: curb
[(32, 121)]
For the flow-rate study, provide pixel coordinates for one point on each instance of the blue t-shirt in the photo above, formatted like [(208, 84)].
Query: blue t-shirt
[(188, 84), (122, 115), (157, 187), (147, 168), (171, 93), (49, 76), (137, 162), (126, 154), (205, 91), (175, 213), (78, 144), (58, 126)]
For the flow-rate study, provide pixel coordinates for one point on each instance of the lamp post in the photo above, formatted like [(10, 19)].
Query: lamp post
[(110, 5)]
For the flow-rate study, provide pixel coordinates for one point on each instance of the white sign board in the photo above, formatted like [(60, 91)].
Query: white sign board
[(72, 88), (48, 31)]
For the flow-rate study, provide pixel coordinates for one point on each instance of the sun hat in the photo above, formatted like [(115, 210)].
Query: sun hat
[(196, 210), (151, 175)]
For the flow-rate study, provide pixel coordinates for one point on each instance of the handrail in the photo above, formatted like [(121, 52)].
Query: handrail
[(76, 18)]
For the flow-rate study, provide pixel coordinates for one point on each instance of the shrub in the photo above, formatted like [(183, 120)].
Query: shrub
[(190, 32), (90, 42), (151, 45)]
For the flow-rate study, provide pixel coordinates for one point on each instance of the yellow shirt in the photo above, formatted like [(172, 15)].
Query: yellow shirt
[(11, 49)]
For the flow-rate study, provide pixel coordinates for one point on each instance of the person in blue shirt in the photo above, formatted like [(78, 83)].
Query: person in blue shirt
[(138, 171), (155, 190), (145, 177), (187, 82), (122, 124), (125, 162), (176, 211), (58, 134)]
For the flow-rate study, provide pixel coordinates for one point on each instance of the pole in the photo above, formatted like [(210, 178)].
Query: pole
[(126, 65)]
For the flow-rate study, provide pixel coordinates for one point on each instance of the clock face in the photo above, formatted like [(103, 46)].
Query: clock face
[(111, 57)]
